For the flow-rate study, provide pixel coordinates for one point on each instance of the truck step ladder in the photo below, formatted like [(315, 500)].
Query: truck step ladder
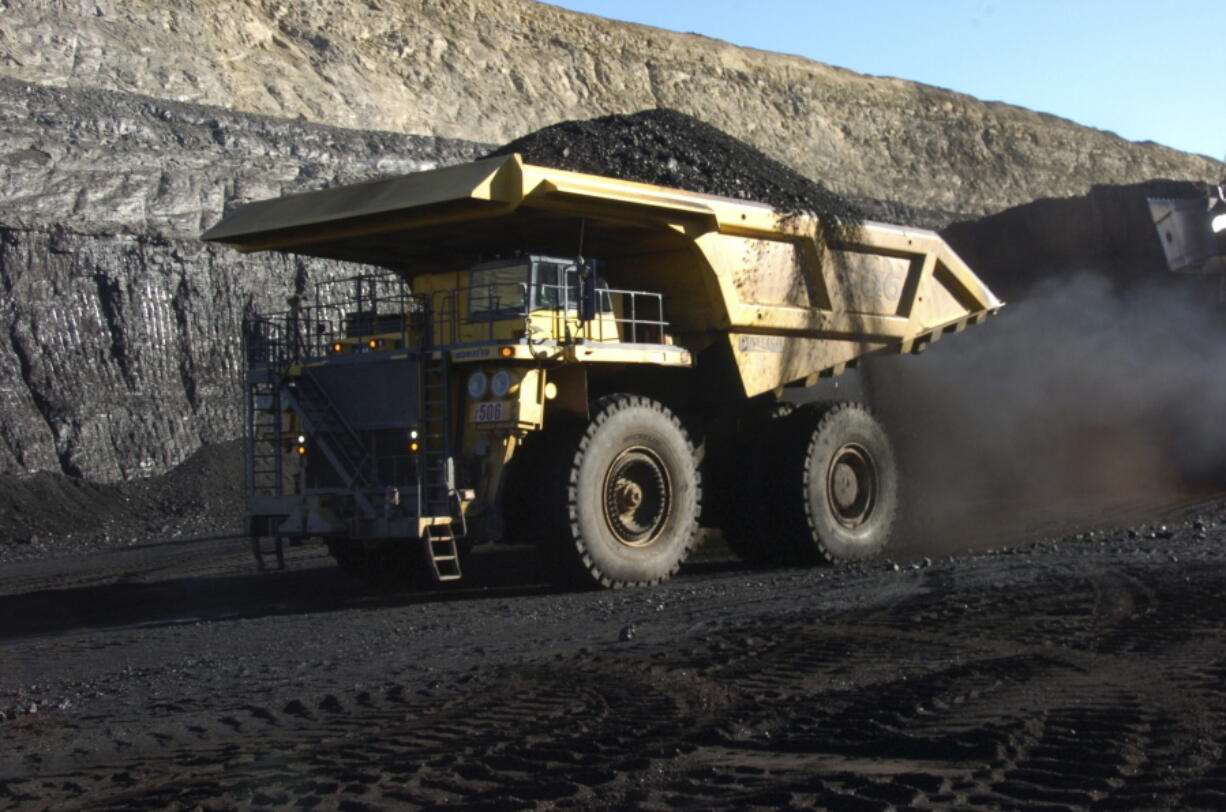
[(261, 552), (265, 451), (443, 551), (436, 493), (437, 477)]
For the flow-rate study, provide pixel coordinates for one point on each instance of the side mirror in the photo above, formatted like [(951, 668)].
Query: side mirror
[(587, 294)]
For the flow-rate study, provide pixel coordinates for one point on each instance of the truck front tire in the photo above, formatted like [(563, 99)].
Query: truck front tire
[(627, 497)]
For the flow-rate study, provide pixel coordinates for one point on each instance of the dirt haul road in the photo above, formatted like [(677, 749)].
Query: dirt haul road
[(1084, 672)]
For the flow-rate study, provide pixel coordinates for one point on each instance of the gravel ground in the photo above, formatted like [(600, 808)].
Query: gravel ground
[(1081, 672)]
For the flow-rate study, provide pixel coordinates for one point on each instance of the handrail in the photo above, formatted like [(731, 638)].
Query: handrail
[(375, 304), (381, 304)]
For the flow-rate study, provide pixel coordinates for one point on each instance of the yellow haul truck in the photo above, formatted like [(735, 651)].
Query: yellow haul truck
[(565, 358)]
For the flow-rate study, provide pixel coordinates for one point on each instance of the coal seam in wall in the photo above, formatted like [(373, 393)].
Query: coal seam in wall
[(41, 404), (44, 407), (108, 293), (180, 303)]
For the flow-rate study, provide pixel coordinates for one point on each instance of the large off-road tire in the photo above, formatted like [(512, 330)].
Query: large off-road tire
[(836, 484), (745, 490), (626, 493)]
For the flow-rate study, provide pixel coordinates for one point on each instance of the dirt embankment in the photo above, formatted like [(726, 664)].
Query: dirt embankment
[(50, 514), (120, 330), (493, 70)]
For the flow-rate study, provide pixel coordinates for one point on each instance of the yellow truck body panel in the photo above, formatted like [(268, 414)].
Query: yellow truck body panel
[(790, 304)]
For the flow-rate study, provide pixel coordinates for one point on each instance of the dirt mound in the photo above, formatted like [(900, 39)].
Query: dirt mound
[(58, 514), (1108, 231), (668, 148)]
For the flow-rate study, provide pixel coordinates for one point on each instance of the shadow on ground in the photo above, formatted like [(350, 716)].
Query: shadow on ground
[(320, 588)]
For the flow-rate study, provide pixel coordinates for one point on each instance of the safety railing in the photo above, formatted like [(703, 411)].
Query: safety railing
[(354, 307), (633, 316), (382, 305), (628, 316)]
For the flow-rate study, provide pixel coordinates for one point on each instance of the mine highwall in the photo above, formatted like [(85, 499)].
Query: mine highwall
[(122, 354), (120, 332)]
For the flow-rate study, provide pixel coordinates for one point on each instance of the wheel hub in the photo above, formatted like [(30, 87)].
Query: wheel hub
[(638, 497), (851, 485), (628, 496), (844, 486)]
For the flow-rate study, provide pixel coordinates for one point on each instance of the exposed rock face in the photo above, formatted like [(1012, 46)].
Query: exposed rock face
[(492, 70), (120, 331)]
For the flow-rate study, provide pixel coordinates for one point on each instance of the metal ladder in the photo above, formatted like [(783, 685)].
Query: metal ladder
[(265, 455), (436, 472), (443, 551), (333, 436), (277, 552)]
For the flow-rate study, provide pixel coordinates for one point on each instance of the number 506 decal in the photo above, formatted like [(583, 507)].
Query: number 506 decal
[(491, 412)]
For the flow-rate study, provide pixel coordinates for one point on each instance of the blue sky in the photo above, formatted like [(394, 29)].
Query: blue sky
[(1151, 70)]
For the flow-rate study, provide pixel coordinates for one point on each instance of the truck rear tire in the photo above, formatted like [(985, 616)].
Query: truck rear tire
[(837, 494), (627, 497)]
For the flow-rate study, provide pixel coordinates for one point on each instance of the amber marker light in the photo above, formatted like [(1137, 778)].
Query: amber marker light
[(336, 348), (375, 343), (506, 352), (301, 451)]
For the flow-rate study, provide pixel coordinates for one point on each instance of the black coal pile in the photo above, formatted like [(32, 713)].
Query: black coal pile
[(668, 148), (50, 513), (1108, 231)]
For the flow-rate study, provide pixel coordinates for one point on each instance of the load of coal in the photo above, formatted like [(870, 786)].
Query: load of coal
[(665, 147)]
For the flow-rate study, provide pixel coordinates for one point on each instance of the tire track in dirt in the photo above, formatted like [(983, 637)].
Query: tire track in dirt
[(1055, 692), (1089, 676)]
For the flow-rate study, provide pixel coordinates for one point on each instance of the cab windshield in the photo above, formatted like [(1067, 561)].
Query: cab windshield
[(498, 292), (498, 289)]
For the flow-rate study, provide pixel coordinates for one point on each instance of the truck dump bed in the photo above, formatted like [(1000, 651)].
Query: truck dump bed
[(737, 276)]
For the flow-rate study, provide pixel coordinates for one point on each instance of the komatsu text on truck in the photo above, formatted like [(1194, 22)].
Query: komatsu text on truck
[(572, 360)]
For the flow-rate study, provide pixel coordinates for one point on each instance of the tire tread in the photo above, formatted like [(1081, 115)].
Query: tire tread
[(575, 566)]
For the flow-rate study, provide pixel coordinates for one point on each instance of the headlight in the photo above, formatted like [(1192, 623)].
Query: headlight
[(1219, 224), (501, 383), (476, 384)]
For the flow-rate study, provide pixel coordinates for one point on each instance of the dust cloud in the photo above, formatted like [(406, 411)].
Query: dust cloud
[(1080, 406)]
